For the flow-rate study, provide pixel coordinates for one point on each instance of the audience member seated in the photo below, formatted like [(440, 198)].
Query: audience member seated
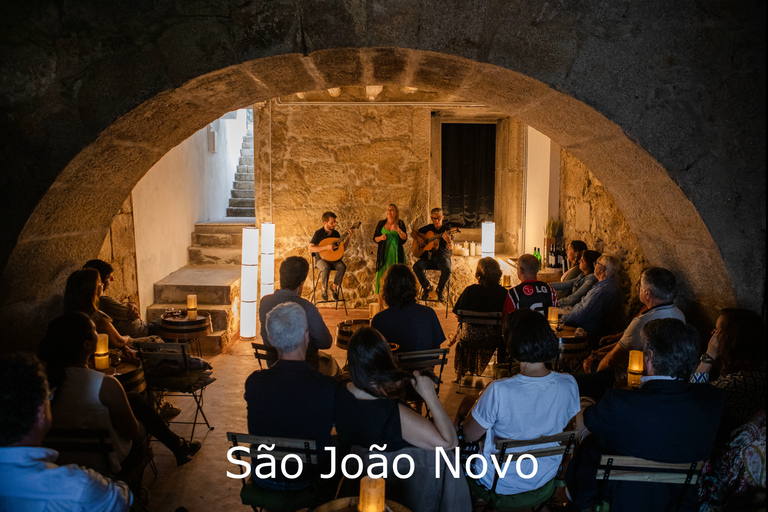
[(737, 345), (125, 315), (478, 342), (530, 293), (411, 325), (31, 481), (86, 398), (666, 420), (656, 292), (293, 273), (569, 293), (369, 409), (600, 312), (535, 403), (82, 294), (290, 398), (573, 253)]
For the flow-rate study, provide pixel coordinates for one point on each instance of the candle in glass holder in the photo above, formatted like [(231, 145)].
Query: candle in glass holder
[(635, 368), (506, 280), (371, 495), (101, 357), (191, 301), (552, 314)]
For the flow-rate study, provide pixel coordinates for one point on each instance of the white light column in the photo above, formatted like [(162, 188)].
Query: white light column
[(489, 239), (249, 283), (267, 258)]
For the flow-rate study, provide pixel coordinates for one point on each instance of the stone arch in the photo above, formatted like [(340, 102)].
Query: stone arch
[(70, 222)]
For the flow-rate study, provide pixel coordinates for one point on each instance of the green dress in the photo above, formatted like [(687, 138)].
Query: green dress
[(390, 251)]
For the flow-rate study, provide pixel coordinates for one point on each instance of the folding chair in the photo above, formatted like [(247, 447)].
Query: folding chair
[(539, 448), (487, 327), (424, 360), (635, 469), (259, 498), (264, 353), (188, 381)]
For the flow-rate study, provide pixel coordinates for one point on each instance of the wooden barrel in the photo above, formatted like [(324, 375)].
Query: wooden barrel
[(131, 376), (573, 351), (180, 327), (345, 330)]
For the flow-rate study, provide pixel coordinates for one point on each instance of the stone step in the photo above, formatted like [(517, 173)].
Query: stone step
[(213, 284), (218, 239), (222, 317), (245, 160), (248, 144), (244, 176), (246, 152), (248, 138), (243, 185), (244, 193), (198, 255), (228, 225), (249, 133), (241, 202), (245, 168), (214, 343), (241, 212)]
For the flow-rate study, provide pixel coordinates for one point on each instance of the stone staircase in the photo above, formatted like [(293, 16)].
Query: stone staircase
[(213, 274), (241, 204)]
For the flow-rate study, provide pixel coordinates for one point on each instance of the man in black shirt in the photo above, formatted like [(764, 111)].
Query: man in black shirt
[(327, 231), (438, 258)]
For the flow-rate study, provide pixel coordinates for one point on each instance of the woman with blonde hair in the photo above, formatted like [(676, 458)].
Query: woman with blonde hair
[(390, 235)]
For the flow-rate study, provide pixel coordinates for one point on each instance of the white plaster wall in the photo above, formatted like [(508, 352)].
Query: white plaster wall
[(189, 184), (542, 187)]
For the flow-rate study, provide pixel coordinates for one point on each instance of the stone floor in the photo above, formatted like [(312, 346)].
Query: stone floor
[(202, 485)]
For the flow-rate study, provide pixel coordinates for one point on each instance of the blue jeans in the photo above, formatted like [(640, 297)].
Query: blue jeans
[(437, 261)]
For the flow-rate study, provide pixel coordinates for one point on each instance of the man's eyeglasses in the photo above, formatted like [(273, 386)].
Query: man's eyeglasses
[(436, 218)]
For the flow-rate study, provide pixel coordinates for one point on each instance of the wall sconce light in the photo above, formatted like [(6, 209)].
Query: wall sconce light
[(301, 95), (371, 91), (249, 283), (635, 368), (410, 90), (334, 92), (489, 239), (267, 258)]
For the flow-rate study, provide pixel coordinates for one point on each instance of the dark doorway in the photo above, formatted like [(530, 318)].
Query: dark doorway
[(468, 173)]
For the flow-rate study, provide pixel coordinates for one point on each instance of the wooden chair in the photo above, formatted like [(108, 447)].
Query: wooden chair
[(264, 353), (189, 381), (319, 491), (484, 352), (539, 447), (634, 469), (424, 360)]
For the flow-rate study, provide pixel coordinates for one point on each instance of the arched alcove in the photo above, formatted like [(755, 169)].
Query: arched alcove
[(69, 224)]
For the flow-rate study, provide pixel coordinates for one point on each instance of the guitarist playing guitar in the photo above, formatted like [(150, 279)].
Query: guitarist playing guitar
[(432, 245), (327, 249)]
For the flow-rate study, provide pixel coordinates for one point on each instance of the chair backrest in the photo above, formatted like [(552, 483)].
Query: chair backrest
[(153, 355), (479, 317), (306, 449), (89, 447), (544, 446), (634, 469), (264, 353), (425, 359)]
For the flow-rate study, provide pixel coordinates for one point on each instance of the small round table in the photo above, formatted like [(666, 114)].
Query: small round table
[(130, 375), (345, 330), (573, 349), (181, 327)]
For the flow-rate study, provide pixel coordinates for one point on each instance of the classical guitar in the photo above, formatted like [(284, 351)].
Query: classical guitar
[(431, 243), (337, 245)]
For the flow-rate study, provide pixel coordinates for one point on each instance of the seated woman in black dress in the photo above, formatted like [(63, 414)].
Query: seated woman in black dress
[(478, 342), (368, 411)]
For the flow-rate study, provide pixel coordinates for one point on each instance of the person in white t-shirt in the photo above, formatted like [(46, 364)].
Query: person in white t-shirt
[(537, 402)]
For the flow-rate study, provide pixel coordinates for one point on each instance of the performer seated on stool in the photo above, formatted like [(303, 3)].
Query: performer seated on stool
[(327, 231), (438, 258)]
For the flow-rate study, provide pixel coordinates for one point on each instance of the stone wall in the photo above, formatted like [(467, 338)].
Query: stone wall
[(119, 250), (589, 213)]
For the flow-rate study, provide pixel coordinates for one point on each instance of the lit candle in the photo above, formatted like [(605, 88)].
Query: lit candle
[(371, 495), (472, 248), (191, 302), (506, 280), (101, 357), (635, 368), (552, 314)]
